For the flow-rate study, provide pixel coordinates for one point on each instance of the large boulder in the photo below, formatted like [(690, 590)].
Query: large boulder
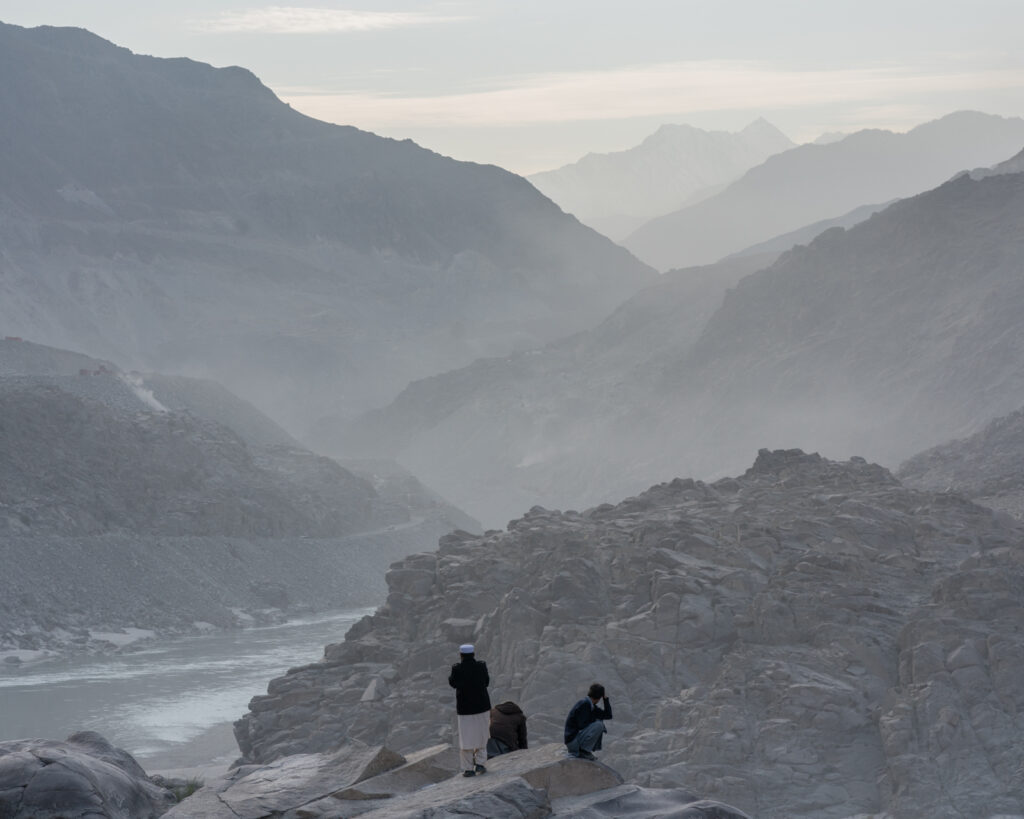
[(84, 777)]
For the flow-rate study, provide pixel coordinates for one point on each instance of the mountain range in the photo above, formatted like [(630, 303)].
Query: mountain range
[(616, 193), (822, 181), (880, 340), (183, 219)]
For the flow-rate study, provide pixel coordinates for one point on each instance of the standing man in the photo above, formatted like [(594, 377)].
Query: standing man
[(584, 725), (470, 679)]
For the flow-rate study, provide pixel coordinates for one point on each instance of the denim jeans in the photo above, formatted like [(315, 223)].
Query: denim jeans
[(589, 739)]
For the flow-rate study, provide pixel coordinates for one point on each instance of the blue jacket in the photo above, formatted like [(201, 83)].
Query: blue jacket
[(583, 713)]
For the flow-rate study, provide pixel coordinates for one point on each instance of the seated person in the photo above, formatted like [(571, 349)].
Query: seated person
[(585, 723), (508, 729)]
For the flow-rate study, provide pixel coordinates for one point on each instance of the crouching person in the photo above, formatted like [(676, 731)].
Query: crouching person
[(508, 729), (585, 723)]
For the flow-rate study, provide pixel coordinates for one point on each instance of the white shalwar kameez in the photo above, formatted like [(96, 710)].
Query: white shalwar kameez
[(474, 731)]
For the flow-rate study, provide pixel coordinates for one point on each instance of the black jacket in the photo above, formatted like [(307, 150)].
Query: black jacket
[(508, 723), (582, 714), (470, 679)]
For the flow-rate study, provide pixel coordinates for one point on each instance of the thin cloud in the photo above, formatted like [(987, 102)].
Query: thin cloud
[(667, 89), (301, 20)]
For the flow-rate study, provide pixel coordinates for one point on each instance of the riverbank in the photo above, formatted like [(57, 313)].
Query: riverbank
[(71, 640), (169, 702), (71, 595)]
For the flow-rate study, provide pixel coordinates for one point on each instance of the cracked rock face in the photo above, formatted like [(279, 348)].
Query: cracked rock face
[(82, 777), (809, 639)]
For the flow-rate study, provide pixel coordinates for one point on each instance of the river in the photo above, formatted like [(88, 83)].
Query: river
[(168, 703)]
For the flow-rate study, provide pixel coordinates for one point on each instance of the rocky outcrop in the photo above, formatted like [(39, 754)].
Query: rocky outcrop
[(82, 778), (380, 784), (810, 639)]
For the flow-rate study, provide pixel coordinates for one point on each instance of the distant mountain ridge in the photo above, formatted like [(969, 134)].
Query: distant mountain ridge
[(182, 219), (617, 192), (880, 340), (820, 181)]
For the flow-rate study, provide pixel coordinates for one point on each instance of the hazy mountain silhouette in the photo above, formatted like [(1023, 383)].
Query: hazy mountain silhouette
[(87, 449), (547, 425), (880, 340), (181, 218), (617, 192), (153, 501), (814, 182), (808, 233)]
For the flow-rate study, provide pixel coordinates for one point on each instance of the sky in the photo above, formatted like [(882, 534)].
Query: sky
[(534, 84)]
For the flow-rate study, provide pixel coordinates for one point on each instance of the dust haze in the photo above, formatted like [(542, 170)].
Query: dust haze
[(637, 418)]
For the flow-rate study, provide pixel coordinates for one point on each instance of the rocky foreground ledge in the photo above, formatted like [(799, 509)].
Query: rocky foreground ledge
[(85, 777), (376, 783), (810, 639)]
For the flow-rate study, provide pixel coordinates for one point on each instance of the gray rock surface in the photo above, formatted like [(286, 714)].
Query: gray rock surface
[(82, 778), (810, 639), (377, 783), (635, 802)]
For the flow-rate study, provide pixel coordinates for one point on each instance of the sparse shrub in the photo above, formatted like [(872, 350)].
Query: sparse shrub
[(184, 790)]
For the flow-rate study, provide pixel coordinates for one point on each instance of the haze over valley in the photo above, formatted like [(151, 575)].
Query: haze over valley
[(181, 218), (713, 394)]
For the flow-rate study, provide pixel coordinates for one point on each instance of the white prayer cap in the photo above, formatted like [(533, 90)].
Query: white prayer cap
[(466, 648)]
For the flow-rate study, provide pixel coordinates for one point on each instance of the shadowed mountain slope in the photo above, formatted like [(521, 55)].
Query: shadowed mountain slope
[(883, 339), (814, 182), (183, 219), (538, 425), (987, 466), (74, 466), (118, 511)]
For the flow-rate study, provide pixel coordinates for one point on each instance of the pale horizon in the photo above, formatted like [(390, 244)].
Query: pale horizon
[(532, 86)]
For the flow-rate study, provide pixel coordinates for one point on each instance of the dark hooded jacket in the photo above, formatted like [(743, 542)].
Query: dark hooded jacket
[(508, 723), (470, 679)]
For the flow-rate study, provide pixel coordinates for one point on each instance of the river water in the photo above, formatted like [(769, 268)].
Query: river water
[(170, 703)]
